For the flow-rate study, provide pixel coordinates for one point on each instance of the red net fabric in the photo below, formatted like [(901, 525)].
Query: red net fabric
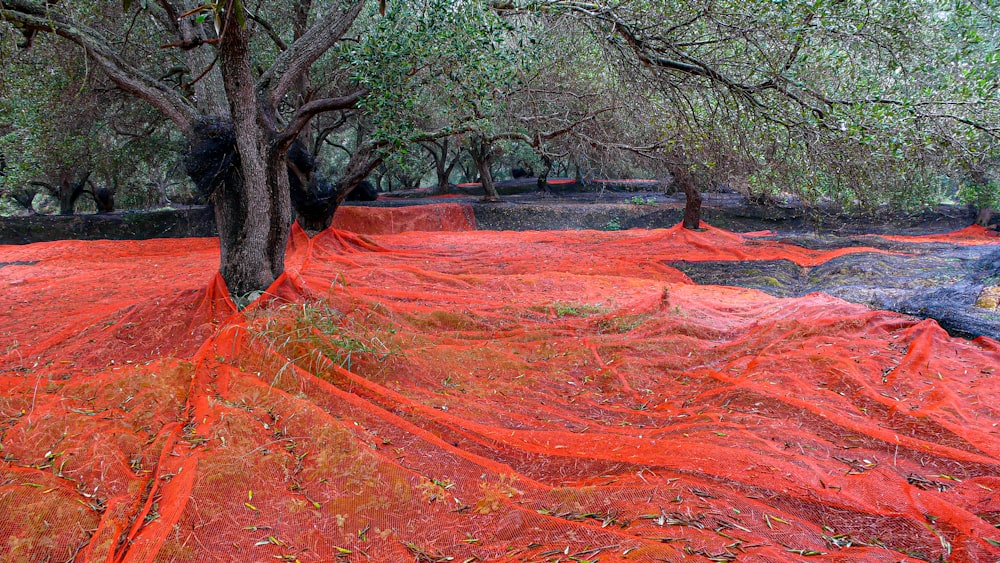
[(970, 235), (463, 396), (441, 217)]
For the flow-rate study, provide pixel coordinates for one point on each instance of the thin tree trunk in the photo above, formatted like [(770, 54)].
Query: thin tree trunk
[(692, 207), (482, 155), (543, 178), (486, 177), (984, 216)]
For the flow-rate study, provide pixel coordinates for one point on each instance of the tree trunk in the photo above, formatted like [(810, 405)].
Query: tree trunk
[(467, 173), (543, 178), (580, 179), (253, 212), (25, 197), (301, 90), (486, 177), (984, 216), (443, 172), (319, 201), (361, 164), (207, 89), (442, 168), (692, 207), (66, 200), (202, 81), (482, 155), (70, 191), (985, 213), (104, 199), (104, 196)]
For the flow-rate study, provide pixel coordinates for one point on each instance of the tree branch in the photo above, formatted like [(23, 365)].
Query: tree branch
[(311, 109), (269, 30), (296, 60), (125, 76)]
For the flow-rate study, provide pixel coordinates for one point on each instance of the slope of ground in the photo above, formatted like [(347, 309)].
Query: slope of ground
[(462, 396)]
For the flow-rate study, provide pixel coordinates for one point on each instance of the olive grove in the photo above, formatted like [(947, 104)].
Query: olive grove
[(288, 106), (860, 103), (252, 78)]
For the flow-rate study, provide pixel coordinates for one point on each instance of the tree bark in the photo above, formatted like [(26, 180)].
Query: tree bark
[(581, 180), (543, 177), (482, 155), (486, 177), (254, 219), (302, 86), (104, 199), (442, 167), (203, 79), (361, 164), (984, 216), (68, 191), (692, 207), (67, 202)]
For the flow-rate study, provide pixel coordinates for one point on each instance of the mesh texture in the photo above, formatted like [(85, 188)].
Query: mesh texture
[(420, 391)]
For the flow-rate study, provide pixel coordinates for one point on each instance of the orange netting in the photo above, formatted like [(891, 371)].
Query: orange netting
[(403, 219), (969, 235), (472, 396)]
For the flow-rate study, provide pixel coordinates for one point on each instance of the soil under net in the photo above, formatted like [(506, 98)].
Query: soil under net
[(480, 396)]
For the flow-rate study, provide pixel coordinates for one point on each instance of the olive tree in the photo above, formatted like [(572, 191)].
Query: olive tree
[(66, 131), (560, 104), (250, 78)]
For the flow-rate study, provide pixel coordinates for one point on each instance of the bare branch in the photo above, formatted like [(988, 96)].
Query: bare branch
[(311, 109), (269, 30)]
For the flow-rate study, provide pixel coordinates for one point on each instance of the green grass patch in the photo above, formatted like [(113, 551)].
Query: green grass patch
[(310, 333), (563, 309)]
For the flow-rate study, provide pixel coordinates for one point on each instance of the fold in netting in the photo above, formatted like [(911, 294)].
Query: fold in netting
[(480, 396)]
